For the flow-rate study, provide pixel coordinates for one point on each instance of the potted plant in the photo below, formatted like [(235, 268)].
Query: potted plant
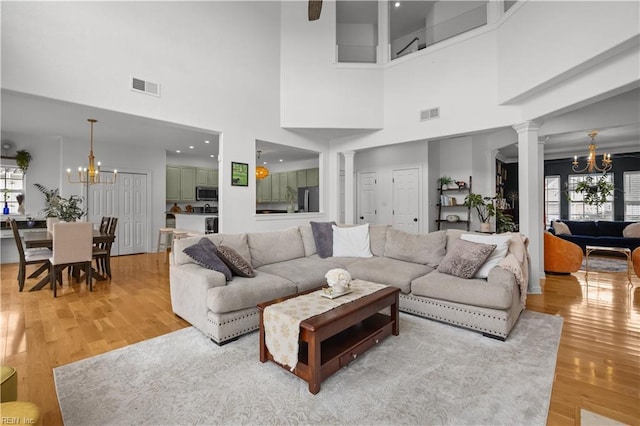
[(69, 210), (51, 200), (23, 158), (444, 182), (484, 208), (595, 192), (291, 197)]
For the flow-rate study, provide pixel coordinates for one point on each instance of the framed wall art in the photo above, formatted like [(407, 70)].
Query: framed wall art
[(239, 174)]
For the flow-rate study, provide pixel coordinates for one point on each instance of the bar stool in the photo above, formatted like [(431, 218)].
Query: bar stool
[(165, 238)]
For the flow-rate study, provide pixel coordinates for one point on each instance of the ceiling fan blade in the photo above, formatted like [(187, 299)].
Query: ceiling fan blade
[(315, 7)]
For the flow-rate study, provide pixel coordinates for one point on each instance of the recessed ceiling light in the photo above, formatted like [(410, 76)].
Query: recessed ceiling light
[(212, 156), (264, 163), (190, 146), (397, 4), (281, 160), (206, 141), (178, 151)]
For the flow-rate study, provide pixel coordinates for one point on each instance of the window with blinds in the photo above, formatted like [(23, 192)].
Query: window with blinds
[(579, 210), (631, 196), (551, 199)]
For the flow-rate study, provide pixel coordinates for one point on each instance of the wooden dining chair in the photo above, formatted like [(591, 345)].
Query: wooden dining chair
[(35, 256), (72, 246), (102, 254), (104, 224)]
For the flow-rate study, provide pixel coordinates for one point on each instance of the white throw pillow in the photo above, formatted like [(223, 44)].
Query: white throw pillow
[(632, 230), (351, 242), (561, 228), (494, 259)]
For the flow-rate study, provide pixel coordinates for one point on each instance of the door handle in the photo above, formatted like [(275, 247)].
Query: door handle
[(415, 219)]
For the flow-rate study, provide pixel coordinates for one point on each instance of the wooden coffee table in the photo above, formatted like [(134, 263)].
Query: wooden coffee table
[(332, 340)]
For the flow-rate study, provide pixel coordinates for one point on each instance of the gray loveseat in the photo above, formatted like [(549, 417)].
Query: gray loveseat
[(286, 262)]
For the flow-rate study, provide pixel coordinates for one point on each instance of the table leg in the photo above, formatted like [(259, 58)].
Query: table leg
[(395, 315), (263, 344), (315, 364)]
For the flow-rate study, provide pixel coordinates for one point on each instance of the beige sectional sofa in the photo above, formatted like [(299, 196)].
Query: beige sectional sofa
[(286, 262)]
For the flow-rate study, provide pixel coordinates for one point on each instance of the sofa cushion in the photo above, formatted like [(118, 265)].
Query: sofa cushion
[(378, 237), (242, 293), (476, 292), (397, 273), (341, 262), (587, 227), (323, 236), (305, 272), (632, 230), (464, 258), (611, 229), (428, 249), (496, 256), (560, 228), (236, 241), (308, 242), (351, 242), (238, 264), (275, 246), (205, 253)]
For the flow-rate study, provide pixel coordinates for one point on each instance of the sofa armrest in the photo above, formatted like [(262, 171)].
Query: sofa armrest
[(500, 276), (189, 285)]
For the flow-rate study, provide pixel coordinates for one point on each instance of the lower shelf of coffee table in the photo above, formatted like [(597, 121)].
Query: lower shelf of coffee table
[(339, 350)]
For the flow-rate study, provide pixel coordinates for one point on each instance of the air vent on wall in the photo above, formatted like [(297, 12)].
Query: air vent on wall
[(142, 86), (429, 114)]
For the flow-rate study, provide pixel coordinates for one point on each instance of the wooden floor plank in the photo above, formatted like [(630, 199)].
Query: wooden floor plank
[(598, 363)]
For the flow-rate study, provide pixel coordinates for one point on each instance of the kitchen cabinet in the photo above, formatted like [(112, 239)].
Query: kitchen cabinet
[(292, 181), (263, 192), (206, 177), (301, 176), (173, 183), (276, 189), (313, 177), (187, 183)]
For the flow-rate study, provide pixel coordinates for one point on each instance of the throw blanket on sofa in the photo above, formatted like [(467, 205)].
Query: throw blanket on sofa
[(517, 262), (282, 320)]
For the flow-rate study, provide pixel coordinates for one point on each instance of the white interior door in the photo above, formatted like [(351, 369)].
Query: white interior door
[(367, 197), (406, 200), (130, 233), (126, 200)]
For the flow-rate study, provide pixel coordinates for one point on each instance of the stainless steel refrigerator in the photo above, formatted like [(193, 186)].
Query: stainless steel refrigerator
[(309, 199)]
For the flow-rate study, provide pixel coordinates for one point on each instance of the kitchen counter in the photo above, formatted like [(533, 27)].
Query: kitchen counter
[(196, 222)]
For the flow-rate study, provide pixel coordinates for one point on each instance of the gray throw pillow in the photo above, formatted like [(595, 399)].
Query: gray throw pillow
[(323, 236), (464, 258), (204, 253), (238, 264)]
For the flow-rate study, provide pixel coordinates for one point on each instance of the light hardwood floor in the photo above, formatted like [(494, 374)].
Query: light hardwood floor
[(598, 364)]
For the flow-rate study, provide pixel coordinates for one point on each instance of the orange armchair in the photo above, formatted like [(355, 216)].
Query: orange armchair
[(561, 256), (635, 259)]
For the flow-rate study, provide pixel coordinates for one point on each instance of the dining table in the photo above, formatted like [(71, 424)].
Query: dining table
[(44, 238)]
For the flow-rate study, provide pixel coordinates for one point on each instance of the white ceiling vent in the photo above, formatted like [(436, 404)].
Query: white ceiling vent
[(142, 86), (429, 114)]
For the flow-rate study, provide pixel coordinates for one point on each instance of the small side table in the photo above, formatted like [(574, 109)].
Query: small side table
[(625, 251)]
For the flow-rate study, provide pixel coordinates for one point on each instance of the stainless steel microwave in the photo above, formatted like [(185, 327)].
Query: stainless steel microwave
[(206, 193)]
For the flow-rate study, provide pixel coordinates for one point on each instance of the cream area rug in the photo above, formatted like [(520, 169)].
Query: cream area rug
[(432, 373)]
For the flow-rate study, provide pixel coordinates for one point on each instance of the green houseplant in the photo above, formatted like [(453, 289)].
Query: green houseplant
[(595, 192), (69, 209), (290, 197), (444, 181), (23, 158), (484, 208), (51, 200)]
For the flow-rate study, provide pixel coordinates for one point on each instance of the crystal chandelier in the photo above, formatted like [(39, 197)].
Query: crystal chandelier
[(592, 165), (261, 171), (91, 175)]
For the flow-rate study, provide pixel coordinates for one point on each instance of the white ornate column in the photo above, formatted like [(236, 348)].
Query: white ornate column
[(530, 188), (349, 201)]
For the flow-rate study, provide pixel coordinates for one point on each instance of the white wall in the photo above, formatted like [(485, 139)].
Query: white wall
[(315, 93), (544, 40), (215, 74)]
